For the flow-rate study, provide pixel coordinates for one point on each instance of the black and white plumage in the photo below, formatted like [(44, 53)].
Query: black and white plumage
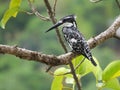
[(74, 38)]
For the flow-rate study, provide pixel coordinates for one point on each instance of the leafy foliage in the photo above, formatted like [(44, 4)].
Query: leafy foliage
[(104, 79), (57, 82), (110, 74), (112, 70), (12, 11)]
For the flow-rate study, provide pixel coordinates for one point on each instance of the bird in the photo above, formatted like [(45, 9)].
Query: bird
[(74, 37)]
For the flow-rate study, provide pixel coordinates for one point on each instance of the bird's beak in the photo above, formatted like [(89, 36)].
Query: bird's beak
[(55, 26)]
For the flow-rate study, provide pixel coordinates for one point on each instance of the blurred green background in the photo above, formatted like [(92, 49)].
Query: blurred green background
[(27, 31)]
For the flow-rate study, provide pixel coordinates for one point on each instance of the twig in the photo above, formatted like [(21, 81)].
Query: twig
[(54, 6), (74, 75), (118, 4), (50, 12), (80, 64), (48, 68), (34, 11)]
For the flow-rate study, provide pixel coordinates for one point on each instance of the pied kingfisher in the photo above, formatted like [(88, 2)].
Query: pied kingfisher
[(73, 37)]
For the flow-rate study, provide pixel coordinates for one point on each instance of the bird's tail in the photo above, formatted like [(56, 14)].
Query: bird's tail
[(93, 61)]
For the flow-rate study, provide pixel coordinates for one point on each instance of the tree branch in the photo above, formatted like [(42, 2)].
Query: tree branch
[(35, 56), (34, 11), (109, 33), (61, 59)]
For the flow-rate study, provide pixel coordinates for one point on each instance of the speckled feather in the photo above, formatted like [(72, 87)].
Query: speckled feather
[(77, 42)]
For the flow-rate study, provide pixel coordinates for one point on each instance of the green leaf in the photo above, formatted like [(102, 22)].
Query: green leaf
[(14, 4), (112, 70), (113, 84), (12, 11), (69, 80), (7, 16), (76, 61), (61, 71), (67, 88), (95, 1), (57, 83), (32, 1), (87, 67)]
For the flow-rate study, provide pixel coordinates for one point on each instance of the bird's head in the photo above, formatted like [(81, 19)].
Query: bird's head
[(67, 21)]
